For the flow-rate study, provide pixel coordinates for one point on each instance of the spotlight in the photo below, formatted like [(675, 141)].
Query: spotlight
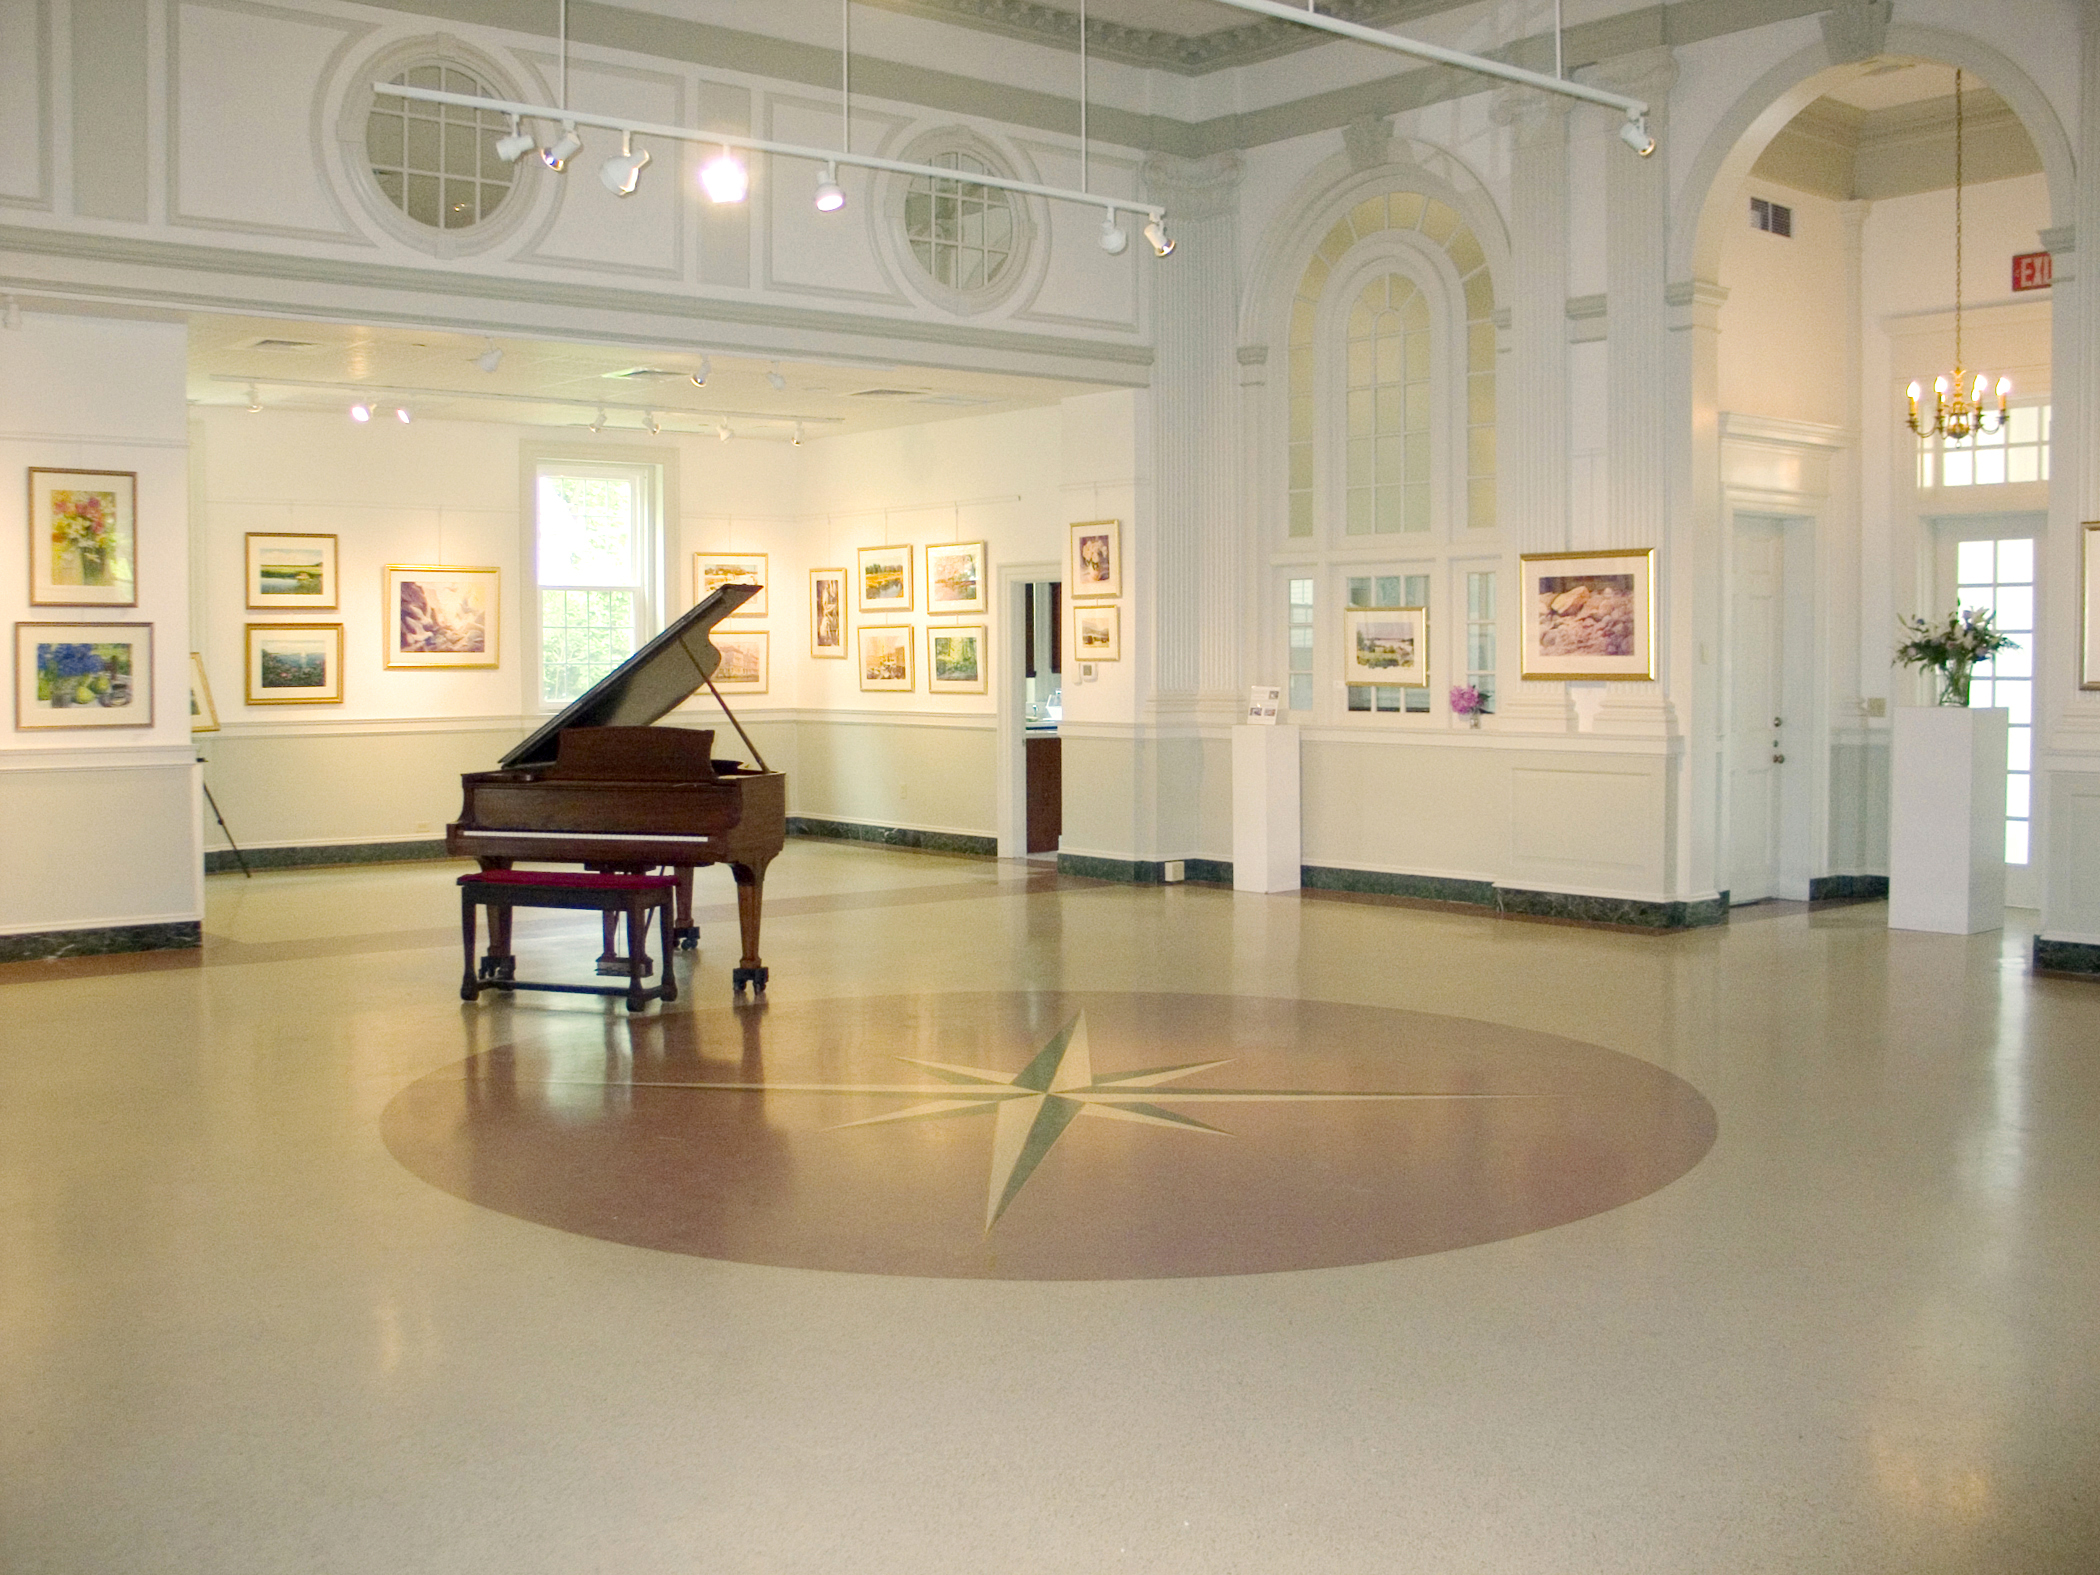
[(722, 431), (1635, 135), (1156, 233), (401, 414), (830, 195), (514, 147), (557, 157), (699, 378), (773, 377), (360, 412), (1113, 238), (724, 179), (254, 399), (489, 359), (798, 434), (623, 171), (649, 420), (597, 423)]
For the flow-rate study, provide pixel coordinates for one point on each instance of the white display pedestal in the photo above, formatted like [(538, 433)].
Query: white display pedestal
[(1265, 845), (1947, 820)]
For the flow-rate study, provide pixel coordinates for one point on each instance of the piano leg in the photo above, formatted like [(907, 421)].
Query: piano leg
[(500, 962), (687, 932), (750, 897)]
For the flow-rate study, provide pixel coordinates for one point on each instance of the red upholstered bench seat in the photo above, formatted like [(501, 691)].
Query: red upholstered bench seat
[(584, 880)]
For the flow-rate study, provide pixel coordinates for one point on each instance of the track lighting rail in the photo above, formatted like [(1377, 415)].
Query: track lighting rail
[(569, 119), (386, 392)]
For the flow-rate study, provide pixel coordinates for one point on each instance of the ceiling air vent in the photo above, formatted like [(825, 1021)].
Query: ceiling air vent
[(890, 393), (282, 344), (1771, 217), (644, 373)]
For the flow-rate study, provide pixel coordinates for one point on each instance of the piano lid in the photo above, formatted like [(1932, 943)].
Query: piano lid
[(649, 684)]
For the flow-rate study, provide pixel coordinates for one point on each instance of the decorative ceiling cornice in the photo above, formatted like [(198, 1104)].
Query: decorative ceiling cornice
[(1158, 49)]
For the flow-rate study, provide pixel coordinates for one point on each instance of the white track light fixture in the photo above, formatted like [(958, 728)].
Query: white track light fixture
[(597, 422), (798, 434), (774, 379), (489, 359), (401, 415), (699, 378), (725, 179), (1114, 238), (514, 147), (360, 412), (1634, 133), (557, 157), (722, 431), (254, 400), (623, 171), (831, 196), (649, 421), (1156, 233)]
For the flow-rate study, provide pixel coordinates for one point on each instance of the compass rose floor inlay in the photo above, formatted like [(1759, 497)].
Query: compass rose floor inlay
[(1046, 1135)]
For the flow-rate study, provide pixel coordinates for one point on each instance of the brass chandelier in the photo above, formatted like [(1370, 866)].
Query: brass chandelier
[(1956, 415)]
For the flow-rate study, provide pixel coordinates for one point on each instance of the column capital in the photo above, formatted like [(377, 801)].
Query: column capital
[(1856, 30), (1539, 118), (1205, 188), (1368, 140)]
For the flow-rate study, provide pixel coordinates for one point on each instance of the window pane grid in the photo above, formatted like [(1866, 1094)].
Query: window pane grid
[(2017, 452), (1480, 636), (1998, 577), (962, 232), (437, 162), (1299, 637), (1386, 364)]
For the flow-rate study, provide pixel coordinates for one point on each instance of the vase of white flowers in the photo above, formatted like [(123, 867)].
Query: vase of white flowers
[(1953, 649)]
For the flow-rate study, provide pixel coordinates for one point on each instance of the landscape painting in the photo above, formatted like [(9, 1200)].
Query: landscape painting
[(289, 572), (295, 664), (78, 675), (437, 616), (955, 660), (885, 579), (1385, 645), (743, 667), (827, 613), (713, 570), (1588, 615), (955, 578), (1097, 634), (885, 656), (83, 538)]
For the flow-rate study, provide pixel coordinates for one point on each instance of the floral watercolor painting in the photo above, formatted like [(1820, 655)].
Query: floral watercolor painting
[(71, 675), (83, 545)]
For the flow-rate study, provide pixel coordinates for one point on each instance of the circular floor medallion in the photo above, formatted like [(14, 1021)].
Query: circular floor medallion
[(1048, 1136)]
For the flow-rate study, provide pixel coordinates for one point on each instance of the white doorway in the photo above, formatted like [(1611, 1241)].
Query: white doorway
[(1768, 774)]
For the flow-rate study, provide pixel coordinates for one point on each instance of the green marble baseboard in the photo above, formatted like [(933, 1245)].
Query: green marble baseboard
[(219, 860), (1847, 888), (1386, 883), (179, 935), (1619, 912), (1207, 872), (894, 836), (2072, 957), (1131, 872)]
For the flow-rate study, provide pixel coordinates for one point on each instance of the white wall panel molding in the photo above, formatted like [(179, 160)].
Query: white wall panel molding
[(1082, 286), (26, 48), (833, 255), (73, 265), (116, 757), (241, 113), (370, 727), (1639, 747), (971, 721), (100, 440)]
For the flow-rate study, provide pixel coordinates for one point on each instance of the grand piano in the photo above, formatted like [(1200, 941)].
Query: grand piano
[(601, 787)]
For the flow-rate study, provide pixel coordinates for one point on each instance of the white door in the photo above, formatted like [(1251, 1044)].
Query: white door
[(1756, 752)]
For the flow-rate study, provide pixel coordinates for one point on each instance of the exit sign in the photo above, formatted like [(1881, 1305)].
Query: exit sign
[(2033, 271)]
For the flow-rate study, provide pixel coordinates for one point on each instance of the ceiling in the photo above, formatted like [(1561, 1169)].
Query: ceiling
[(326, 366)]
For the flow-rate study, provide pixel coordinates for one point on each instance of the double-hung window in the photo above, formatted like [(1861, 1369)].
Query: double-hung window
[(598, 561)]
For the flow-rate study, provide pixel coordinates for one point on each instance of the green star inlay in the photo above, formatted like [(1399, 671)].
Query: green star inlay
[(1035, 1105)]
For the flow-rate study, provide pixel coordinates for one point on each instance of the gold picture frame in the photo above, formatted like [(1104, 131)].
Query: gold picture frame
[(83, 538), (290, 571), (1386, 646), (743, 668), (80, 676), (2089, 606), (294, 664), (441, 616), (712, 570), (955, 579), (1589, 615), (885, 656), (1097, 632), (883, 580), (955, 659), (1097, 560), (827, 614), (204, 716)]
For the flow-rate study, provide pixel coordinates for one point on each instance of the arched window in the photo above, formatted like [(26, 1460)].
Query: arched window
[(437, 163), (1386, 373)]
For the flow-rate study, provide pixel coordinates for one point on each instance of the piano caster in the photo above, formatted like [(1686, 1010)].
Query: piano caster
[(755, 977), (495, 967), (688, 938)]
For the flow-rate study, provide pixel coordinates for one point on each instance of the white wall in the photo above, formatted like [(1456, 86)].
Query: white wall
[(101, 826), (1785, 322)]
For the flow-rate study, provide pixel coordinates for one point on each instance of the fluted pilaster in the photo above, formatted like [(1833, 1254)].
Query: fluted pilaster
[(1535, 477)]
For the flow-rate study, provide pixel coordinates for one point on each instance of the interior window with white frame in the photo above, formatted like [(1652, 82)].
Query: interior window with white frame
[(597, 554), (2017, 452)]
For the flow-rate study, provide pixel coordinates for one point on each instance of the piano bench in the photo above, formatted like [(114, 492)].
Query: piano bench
[(500, 891)]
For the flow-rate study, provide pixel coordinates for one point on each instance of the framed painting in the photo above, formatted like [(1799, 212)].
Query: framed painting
[(204, 716), (885, 656), (827, 613), (295, 664), (78, 675), (1589, 615), (435, 616), (955, 660), (1386, 645), (1097, 634), (290, 573), (885, 579), (1097, 559), (83, 538), (2089, 607), (713, 570), (743, 669), (955, 578)]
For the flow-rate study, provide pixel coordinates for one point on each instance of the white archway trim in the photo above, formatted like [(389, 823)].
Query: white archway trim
[(1783, 92)]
